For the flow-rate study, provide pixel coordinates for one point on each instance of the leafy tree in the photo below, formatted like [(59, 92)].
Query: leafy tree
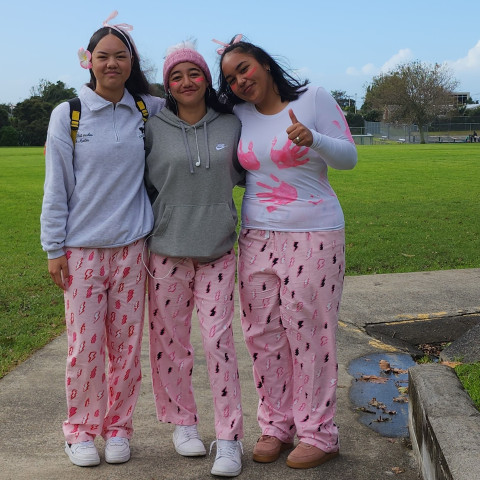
[(413, 92), (354, 120), (343, 100), (157, 90), (53, 93), (473, 112), (31, 116), (31, 120), (8, 136), (4, 118)]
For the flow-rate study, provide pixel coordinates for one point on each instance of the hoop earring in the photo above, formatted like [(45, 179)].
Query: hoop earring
[(173, 101)]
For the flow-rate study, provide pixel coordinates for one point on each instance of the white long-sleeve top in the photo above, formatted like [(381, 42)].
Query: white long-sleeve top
[(94, 195), (287, 187)]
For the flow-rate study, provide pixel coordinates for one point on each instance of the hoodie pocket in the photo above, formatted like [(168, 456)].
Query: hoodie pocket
[(196, 231)]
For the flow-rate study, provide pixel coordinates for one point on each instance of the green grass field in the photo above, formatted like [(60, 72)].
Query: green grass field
[(469, 375), (407, 208)]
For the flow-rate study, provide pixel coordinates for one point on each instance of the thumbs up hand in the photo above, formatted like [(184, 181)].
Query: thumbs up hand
[(299, 133)]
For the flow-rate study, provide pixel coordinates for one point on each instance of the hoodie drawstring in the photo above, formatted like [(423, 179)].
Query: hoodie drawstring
[(187, 147), (198, 151), (206, 144)]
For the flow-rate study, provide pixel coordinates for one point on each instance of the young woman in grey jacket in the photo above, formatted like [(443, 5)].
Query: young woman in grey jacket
[(191, 169)]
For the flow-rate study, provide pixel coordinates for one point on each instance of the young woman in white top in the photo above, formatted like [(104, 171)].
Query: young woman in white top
[(291, 249)]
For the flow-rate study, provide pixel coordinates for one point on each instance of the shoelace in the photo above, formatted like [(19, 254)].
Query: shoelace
[(116, 441), (226, 449), (88, 444), (190, 432)]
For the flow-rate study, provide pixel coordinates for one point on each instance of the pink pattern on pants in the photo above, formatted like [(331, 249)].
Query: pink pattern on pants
[(104, 306), (177, 285), (290, 290)]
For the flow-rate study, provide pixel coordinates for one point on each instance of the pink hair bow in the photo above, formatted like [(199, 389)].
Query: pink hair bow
[(238, 38), (123, 26)]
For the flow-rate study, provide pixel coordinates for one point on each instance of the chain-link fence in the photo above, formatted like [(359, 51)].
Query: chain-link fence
[(448, 132)]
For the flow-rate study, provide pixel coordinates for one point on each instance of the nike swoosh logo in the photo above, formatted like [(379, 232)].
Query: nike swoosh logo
[(220, 146)]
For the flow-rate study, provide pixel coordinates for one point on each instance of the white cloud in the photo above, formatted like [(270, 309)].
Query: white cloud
[(370, 69), (470, 62), (403, 55)]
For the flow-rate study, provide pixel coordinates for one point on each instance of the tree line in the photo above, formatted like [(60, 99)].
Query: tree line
[(26, 123), (414, 92)]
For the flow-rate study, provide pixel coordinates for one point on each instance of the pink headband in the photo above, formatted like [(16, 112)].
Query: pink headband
[(85, 56), (238, 38), (121, 28)]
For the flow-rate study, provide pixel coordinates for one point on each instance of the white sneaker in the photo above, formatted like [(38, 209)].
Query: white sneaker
[(83, 454), (117, 450), (187, 441), (228, 462)]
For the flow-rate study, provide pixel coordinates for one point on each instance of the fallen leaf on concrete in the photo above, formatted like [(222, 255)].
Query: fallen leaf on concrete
[(402, 390), (375, 403), (397, 470), (381, 406), (387, 368), (384, 365), (365, 410), (381, 419), (373, 379), (400, 399), (451, 364)]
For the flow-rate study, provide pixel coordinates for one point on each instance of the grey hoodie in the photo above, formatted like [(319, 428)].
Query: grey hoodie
[(190, 173)]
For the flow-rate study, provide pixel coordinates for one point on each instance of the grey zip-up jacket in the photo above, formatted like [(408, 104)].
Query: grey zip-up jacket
[(189, 174)]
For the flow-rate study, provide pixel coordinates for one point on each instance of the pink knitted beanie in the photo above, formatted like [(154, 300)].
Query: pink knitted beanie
[(184, 52)]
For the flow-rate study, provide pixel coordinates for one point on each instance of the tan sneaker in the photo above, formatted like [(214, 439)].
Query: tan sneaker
[(308, 456), (268, 449)]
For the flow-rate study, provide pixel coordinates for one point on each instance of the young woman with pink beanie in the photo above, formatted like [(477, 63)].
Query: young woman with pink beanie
[(191, 169)]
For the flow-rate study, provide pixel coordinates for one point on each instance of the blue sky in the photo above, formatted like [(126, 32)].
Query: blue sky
[(339, 45)]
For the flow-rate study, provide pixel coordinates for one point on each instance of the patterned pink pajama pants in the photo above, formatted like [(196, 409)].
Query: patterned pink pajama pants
[(290, 290), (177, 285), (104, 306)]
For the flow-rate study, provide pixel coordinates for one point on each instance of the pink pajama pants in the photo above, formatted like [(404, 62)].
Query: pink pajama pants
[(290, 288), (175, 287), (104, 306)]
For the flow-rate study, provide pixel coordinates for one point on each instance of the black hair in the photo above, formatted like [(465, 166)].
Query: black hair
[(137, 81), (211, 100), (289, 88)]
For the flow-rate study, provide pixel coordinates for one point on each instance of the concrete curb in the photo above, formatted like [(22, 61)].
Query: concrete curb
[(444, 424)]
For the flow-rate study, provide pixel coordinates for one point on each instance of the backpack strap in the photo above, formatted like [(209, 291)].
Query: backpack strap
[(75, 112), (142, 108)]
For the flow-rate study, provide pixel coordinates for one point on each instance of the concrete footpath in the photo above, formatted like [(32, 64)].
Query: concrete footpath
[(32, 398)]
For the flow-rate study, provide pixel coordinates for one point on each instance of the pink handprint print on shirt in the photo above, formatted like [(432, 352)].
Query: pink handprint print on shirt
[(248, 160), (281, 195), (346, 131), (288, 157)]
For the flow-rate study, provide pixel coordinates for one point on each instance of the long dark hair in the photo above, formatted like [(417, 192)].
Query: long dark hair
[(211, 100), (289, 88), (137, 81)]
